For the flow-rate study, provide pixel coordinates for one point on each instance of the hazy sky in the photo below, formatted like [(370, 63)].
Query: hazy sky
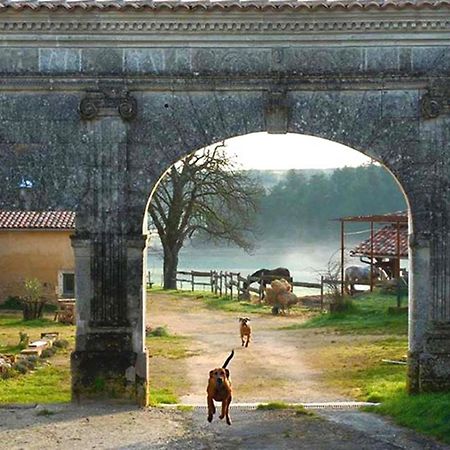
[(291, 151)]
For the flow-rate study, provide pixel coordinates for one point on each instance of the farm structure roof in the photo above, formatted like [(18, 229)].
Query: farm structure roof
[(385, 241), (37, 220)]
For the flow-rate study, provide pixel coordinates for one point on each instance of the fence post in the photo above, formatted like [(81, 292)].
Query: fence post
[(321, 292), (211, 281), (239, 285), (192, 281), (231, 285), (221, 284), (216, 283)]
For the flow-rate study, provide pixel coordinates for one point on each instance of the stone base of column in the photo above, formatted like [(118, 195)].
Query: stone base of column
[(117, 375), (434, 371), (413, 381)]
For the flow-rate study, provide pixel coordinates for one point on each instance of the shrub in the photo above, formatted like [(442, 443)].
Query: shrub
[(7, 372), (12, 302), (48, 352), (158, 331), (33, 302), (61, 343), (21, 367)]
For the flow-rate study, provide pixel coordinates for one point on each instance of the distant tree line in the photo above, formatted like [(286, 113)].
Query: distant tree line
[(302, 206)]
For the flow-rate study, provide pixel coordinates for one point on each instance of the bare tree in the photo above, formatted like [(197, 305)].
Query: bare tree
[(203, 195)]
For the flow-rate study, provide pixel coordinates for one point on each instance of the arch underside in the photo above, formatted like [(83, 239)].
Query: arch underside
[(95, 125)]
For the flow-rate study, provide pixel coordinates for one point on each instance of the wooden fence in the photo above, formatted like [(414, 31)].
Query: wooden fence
[(231, 284)]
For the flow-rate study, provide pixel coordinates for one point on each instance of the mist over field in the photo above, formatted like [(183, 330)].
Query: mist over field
[(296, 227), (304, 260)]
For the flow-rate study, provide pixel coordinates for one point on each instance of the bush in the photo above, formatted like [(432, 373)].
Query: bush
[(33, 302), (12, 302), (48, 352), (158, 332), (7, 372), (61, 343), (21, 367)]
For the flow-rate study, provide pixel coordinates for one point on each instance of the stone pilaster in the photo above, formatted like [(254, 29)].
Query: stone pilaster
[(110, 358)]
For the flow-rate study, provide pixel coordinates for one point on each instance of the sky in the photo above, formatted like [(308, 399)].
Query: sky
[(265, 151)]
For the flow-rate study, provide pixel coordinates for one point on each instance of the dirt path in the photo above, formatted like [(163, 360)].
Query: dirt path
[(276, 366), (121, 427)]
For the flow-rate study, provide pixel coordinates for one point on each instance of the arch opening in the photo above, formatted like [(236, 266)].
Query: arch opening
[(199, 258)]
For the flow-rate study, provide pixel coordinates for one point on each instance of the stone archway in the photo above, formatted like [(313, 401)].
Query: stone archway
[(97, 103)]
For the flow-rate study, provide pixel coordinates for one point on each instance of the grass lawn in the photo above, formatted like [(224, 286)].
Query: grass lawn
[(427, 413), (356, 368), (47, 383), (168, 381), (226, 304), (368, 315)]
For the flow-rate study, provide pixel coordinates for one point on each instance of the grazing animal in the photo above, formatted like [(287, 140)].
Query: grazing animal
[(219, 390), (361, 275), (279, 272), (245, 329)]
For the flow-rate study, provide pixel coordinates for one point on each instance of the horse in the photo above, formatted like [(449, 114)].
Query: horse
[(279, 272), (361, 275)]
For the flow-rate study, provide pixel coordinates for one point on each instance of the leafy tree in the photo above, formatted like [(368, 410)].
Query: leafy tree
[(203, 195)]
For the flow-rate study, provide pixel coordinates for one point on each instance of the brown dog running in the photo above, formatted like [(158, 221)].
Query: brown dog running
[(219, 389), (245, 329)]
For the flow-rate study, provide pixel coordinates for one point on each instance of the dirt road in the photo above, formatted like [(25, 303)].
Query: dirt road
[(277, 365)]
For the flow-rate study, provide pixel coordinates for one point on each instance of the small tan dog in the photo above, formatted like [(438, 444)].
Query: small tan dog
[(245, 329), (219, 389)]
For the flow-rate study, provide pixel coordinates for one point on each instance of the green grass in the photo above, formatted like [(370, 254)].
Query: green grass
[(170, 347), (355, 368), (168, 380), (224, 303), (274, 406), (45, 385), (426, 413), (368, 315), (162, 395)]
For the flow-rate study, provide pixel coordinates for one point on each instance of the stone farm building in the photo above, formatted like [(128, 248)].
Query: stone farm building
[(37, 245)]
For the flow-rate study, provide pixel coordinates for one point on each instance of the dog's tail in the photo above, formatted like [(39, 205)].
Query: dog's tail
[(225, 364)]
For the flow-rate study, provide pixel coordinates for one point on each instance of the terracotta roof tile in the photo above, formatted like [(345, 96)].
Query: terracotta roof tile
[(385, 243), (44, 220)]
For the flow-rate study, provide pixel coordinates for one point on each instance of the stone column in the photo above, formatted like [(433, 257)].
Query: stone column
[(110, 358), (434, 373), (419, 295)]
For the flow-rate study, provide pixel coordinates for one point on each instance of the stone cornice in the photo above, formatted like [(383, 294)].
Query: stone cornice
[(160, 22), (222, 5)]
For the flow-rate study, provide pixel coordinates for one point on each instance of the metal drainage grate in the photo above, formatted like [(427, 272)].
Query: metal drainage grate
[(254, 406)]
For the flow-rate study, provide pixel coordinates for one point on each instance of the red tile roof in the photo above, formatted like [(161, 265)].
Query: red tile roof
[(385, 243), (43, 220)]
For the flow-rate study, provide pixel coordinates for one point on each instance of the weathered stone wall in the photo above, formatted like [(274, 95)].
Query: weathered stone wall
[(95, 107)]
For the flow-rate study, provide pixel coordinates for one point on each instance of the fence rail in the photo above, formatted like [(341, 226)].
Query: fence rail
[(234, 285)]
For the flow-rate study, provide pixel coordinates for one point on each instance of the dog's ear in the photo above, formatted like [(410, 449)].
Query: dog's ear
[(247, 319), (228, 373), (240, 319), (211, 373)]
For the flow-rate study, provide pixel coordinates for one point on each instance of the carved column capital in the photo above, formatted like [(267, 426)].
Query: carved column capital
[(436, 101), (108, 101)]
